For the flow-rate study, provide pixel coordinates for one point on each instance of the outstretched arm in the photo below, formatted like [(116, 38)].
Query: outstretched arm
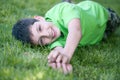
[(73, 37), (65, 54)]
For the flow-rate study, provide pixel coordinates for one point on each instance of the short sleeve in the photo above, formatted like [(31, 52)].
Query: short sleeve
[(69, 12), (57, 43)]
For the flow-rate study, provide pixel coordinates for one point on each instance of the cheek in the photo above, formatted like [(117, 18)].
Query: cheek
[(47, 41), (34, 40)]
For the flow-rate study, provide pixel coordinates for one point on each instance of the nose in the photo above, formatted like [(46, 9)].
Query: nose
[(45, 33)]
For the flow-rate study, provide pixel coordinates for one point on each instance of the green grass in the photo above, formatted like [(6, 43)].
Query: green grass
[(23, 62)]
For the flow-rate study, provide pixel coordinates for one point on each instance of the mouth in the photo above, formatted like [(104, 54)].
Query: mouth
[(53, 33)]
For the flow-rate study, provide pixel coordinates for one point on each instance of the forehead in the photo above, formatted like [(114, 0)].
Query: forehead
[(34, 34)]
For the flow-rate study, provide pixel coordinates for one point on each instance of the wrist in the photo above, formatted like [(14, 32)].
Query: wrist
[(67, 54)]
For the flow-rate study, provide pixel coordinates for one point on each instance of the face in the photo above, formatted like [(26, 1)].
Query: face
[(44, 33)]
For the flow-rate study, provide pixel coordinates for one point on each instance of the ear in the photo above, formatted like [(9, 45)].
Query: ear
[(40, 18)]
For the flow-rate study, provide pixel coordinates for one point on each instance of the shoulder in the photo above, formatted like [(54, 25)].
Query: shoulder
[(61, 4)]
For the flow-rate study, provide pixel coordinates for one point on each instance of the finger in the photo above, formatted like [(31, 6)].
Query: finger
[(49, 61), (59, 58), (58, 65), (50, 55), (64, 68), (56, 53), (54, 56), (69, 68), (53, 65)]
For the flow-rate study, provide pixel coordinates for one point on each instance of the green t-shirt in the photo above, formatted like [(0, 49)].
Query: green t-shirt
[(93, 18)]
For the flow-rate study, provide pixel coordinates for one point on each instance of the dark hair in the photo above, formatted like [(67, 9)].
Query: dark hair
[(21, 30)]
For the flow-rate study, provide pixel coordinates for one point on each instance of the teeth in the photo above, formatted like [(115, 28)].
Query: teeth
[(52, 35)]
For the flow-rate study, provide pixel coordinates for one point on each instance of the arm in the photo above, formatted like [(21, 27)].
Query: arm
[(59, 54), (65, 54), (73, 37)]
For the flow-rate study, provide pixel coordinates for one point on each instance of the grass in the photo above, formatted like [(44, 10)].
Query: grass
[(23, 62)]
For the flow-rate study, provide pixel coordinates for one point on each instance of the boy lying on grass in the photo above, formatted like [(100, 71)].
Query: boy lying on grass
[(65, 27)]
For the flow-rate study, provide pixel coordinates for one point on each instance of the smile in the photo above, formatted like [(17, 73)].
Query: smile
[(53, 33)]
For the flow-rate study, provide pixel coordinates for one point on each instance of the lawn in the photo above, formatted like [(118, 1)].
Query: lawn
[(25, 62)]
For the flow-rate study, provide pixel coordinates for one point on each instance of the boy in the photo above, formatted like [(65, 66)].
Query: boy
[(65, 27)]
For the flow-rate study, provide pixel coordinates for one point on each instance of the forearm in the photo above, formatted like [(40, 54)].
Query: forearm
[(72, 43), (73, 38)]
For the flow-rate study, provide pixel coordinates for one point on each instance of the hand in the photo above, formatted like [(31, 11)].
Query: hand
[(57, 56), (66, 68)]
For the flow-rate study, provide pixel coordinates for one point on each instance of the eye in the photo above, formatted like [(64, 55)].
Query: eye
[(39, 28), (41, 41)]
